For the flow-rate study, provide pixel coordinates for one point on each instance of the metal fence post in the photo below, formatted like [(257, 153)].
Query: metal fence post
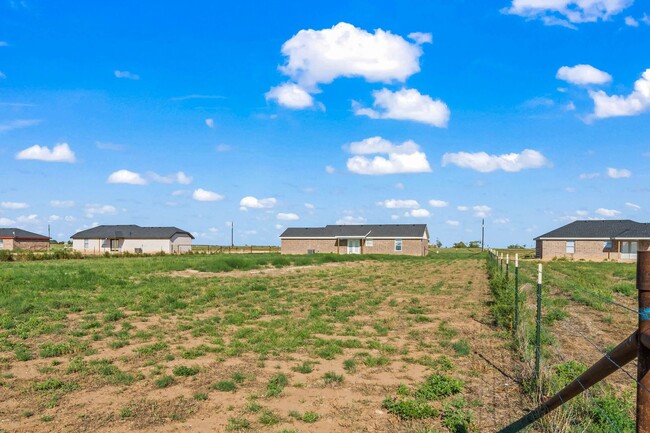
[(643, 364), (501, 262), (516, 324), (538, 331), (507, 267)]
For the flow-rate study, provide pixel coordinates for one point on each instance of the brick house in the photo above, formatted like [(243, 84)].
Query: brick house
[(18, 239), (401, 239), (133, 239), (616, 240)]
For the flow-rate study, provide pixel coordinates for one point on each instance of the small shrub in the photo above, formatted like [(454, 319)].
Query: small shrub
[(224, 386), (310, 417), (304, 368), (332, 378), (238, 424), (350, 365), (410, 408), (200, 396), (183, 370), (438, 386), (276, 385), (164, 382), (455, 417), (269, 418), (461, 348)]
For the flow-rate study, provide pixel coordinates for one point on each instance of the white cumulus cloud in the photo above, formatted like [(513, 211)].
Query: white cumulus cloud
[(403, 158), (630, 21), (209, 122), (201, 194), (255, 203), (126, 74), (329, 169), (287, 216), (13, 205), (417, 213), (290, 95), (438, 203), (452, 223), (399, 204), (6, 221), (321, 56), (351, 220), (462, 208), (567, 13), (583, 75), (511, 162), (618, 173), (127, 177), (406, 104), (62, 203), (99, 209), (609, 213), (617, 106), (482, 211), (633, 206), (61, 152), (178, 177)]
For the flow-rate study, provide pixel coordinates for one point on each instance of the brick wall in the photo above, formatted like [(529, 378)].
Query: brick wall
[(584, 249), (7, 244), (410, 247), (30, 245)]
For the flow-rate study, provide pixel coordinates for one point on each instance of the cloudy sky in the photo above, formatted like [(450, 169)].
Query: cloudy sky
[(299, 113)]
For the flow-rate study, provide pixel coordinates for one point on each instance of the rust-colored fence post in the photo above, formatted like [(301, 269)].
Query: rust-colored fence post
[(643, 365)]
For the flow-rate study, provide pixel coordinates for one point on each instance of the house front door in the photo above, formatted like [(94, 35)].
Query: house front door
[(354, 246), (629, 249)]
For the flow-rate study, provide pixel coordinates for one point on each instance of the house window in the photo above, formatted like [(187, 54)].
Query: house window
[(2, 243), (114, 244), (398, 245), (570, 247), (86, 244), (607, 245), (369, 242)]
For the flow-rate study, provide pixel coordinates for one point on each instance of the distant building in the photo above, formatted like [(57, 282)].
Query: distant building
[(401, 239), (617, 240), (132, 239), (17, 239)]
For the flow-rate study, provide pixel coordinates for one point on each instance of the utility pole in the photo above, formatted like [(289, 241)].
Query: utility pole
[(482, 234), (232, 233), (49, 235)]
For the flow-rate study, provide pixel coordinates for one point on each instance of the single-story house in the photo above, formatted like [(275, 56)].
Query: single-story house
[(18, 239), (132, 239), (617, 240), (404, 239)]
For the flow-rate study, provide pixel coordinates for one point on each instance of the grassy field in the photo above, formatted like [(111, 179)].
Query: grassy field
[(318, 343), (252, 343)]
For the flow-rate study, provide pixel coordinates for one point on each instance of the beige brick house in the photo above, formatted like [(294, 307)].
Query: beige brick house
[(132, 239), (401, 239), (616, 240), (18, 239)]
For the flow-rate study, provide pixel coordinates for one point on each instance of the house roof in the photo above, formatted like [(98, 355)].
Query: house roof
[(129, 232), (600, 229), (361, 231), (12, 233)]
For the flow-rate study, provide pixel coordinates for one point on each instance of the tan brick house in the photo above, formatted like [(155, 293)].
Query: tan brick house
[(17, 239), (616, 240), (401, 239)]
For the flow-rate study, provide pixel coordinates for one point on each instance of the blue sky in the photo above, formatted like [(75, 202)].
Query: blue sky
[(278, 114)]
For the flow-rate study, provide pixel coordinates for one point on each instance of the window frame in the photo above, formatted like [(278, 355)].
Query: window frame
[(86, 244), (607, 245), (2, 243), (370, 242), (570, 245), (399, 245), (117, 244)]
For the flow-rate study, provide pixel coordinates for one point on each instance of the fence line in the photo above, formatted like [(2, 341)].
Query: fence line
[(635, 345)]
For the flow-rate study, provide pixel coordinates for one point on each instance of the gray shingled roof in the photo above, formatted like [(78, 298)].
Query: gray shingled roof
[(600, 229), (20, 234), (371, 230), (129, 232)]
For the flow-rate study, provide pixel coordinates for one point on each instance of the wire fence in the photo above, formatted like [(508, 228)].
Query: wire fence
[(568, 325)]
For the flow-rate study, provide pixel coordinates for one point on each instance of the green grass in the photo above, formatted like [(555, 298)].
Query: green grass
[(224, 386), (276, 385), (183, 370)]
